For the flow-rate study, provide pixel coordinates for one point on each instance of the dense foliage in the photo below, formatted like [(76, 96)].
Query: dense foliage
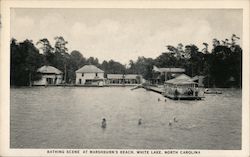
[(25, 59), (222, 66)]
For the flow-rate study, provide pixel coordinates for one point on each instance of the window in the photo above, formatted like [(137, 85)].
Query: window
[(82, 74), (96, 74)]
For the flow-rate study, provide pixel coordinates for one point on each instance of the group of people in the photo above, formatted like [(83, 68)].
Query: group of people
[(160, 100), (104, 123), (175, 121)]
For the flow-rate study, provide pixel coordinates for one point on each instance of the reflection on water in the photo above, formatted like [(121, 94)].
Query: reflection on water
[(71, 117)]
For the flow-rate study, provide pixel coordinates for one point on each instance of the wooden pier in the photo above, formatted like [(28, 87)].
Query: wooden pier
[(154, 89)]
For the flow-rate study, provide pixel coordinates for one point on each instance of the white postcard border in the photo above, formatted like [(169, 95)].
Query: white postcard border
[(180, 4)]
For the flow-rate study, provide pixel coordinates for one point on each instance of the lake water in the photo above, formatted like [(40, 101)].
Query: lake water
[(70, 117)]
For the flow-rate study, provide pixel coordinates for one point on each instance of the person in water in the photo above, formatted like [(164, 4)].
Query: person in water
[(170, 123), (139, 121), (104, 124), (175, 120)]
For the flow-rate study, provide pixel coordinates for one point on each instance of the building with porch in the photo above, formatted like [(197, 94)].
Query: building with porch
[(124, 79), (49, 76), (182, 87), (89, 75)]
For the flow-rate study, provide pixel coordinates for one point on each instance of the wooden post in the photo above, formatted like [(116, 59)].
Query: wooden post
[(64, 73), (194, 90)]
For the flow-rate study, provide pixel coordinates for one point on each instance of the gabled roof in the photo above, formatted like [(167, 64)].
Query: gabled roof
[(181, 79), (89, 69), (48, 70)]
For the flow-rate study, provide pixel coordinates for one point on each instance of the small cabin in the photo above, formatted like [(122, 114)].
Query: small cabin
[(49, 76)]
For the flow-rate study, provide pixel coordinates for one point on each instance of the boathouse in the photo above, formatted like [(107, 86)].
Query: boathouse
[(89, 75), (124, 79), (49, 76), (163, 74)]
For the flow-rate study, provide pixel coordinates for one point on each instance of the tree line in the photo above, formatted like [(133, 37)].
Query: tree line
[(221, 66)]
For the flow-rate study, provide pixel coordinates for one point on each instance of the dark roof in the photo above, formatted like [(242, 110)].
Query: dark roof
[(89, 69), (49, 70)]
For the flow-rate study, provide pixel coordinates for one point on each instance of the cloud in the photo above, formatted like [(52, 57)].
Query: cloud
[(111, 39)]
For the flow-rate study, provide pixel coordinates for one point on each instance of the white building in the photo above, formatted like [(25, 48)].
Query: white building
[(90, 75), (172, 71), (49, 76), (124, 79)]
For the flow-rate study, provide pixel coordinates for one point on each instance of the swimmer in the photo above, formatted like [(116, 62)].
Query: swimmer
[(175, 120), (139, 121), (104, 124)]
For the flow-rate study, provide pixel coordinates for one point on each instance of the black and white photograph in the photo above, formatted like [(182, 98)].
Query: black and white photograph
[(126, 80)]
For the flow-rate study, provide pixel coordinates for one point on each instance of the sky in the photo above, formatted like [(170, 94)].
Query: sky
[(125, 34)]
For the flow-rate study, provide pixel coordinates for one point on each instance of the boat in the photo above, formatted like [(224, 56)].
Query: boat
[(212, 92), (182, 88)]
